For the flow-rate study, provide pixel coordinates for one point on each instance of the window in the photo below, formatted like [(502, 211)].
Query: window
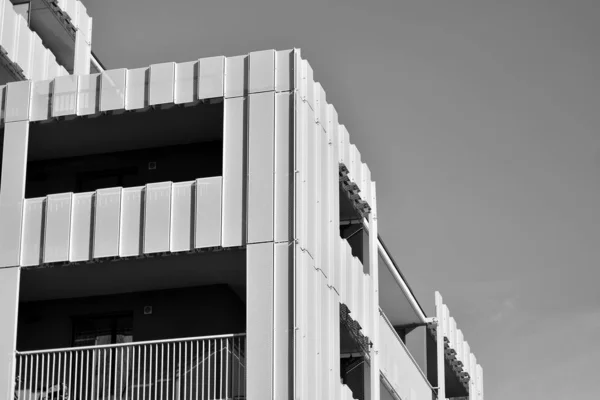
[(102, 329)]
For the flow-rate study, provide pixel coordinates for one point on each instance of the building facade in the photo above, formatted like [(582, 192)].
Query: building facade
[(201, 230)]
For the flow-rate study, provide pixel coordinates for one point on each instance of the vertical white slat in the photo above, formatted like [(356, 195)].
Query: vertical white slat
[(83, 54), (373, 240), (208, 212), (107, 222), (282, 324), (132, 211), (9, 30), (112, 90), (12, 190), (323, 117), (335, 351), (211, 77), (325, 337), (440, 362), (84, 22), (466, 359), (137, 89), (17, 101), (350, 291), (81, 227), (64, 96), (261, 71), (479, 374), (284, 70), (41, 94), (312, 330), (182, 216), (234, 171), (342, 276), (360, 293), (460, 345), (33, 224), (259, 320), (301, 170), (452, 332), (236, 78), (310, 87), (261, 127), (446, 321), (39, 59), (311, 183), (88, 97), (473, 381), (334, 202), (24, 46), (186, 82), (284, 167), (357, 172), (300, 312), (58, 227), (162, 83), (365, 185), (157, 217), (51, 65), (324, 203)]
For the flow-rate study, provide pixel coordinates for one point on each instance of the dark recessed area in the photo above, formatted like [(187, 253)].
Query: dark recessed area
[(129, 149)]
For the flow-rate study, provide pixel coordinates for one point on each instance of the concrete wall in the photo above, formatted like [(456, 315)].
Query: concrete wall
[(199, 311)]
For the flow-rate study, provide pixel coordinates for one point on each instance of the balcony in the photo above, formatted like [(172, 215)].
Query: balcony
[(208, 367)]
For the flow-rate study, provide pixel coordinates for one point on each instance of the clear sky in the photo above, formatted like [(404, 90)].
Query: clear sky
[(480, 121)]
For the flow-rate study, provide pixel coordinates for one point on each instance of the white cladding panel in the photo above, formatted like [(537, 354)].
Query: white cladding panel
[(88, 94), (398, 366), (235, 76), (17, 101), (39, 59), (107, 222), (261, 71), (234, 170), (260, 166), (31, 242), (81, 227), (186, 85), (182, 217), (41, 96), (58, 228), (157, 217), (137, 89), (208, 212), (284, 169), (64, 99), (211, 77), (283, 320), (9, 30), (132, 211), (162, 83), (112, 90), (259, 307), (24, 47), (284, 70)]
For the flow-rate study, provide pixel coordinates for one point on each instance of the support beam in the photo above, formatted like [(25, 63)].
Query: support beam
[(9, 307), (12, 190)]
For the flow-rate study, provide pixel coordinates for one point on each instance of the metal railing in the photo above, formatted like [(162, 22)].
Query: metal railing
[(199, 368)]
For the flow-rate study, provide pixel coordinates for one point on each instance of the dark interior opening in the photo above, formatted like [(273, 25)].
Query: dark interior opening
[(129, 149)]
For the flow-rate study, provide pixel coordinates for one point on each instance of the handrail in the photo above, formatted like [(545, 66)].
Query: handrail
[(404, 346), (117, 345)]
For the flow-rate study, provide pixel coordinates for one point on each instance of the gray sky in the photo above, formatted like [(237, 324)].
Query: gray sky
[(480, 123)]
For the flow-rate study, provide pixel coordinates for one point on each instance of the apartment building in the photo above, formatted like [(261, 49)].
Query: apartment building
[(197, 230)]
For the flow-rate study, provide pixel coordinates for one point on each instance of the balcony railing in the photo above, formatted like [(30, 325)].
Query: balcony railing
[(203, 368)]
